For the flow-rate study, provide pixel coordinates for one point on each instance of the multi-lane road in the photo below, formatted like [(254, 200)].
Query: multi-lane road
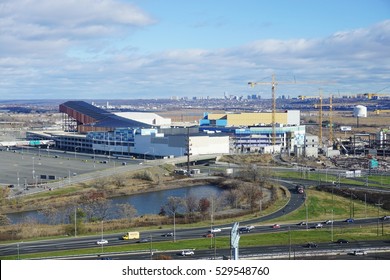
[(295, 202), (22, 248)]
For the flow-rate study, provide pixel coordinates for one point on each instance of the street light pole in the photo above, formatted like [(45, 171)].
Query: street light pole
[(33, 171), (377, 228), (102, 236), (215, 246), (307, 217), (75, 223), (331, 228), (174, 226), (151, 250)]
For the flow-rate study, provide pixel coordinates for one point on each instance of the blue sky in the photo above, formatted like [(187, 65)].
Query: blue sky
[(118, 49)]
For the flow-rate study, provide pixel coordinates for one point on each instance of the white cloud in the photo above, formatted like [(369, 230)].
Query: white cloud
[(78, 49)]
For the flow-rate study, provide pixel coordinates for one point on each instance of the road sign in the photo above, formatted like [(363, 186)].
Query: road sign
[(234, 236)]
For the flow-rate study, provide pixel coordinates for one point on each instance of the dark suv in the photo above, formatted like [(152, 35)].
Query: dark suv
[(244, 229), (342, 241), (311, 245)]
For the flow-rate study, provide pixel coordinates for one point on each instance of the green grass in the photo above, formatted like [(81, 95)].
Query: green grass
[(320, 205), (373, 180)]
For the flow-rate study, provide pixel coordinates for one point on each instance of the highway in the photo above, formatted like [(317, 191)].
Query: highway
[(282, 251), (21, 248)]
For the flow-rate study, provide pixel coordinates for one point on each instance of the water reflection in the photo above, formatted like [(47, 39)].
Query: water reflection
[(145, 203)]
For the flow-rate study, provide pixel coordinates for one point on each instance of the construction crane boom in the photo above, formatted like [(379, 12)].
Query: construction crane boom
[(320, 105), (380, 111), (376, 95), (273, 87), (274, 83)]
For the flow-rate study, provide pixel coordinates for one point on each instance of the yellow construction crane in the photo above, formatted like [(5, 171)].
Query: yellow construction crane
[(372, 95), (330, 105), (320, 114), (274, 83), (304, 97), (379, 111)]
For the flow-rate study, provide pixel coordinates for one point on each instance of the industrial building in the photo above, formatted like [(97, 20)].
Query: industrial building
[(290, 117), (89, 129), (252, 132)]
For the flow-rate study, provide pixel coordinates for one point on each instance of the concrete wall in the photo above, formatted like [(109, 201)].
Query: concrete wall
[(176, 145)]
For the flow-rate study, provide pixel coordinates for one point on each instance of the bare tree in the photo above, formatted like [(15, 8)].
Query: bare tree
[(96, 205), (232, 197), (127, 211), (254, 173), (252, 194), (173, 204), (119, 180), (191, 205), (204, 205), (4, 193), (4, 220), (100, 183)]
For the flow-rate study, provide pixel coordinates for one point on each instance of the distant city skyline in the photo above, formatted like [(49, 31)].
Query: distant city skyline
[(146, 49)]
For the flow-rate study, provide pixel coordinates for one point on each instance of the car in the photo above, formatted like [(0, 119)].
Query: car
[(11, 186), (319, 225), (145, 240), (342, 241), (214, 230), (102, 242), (384, 218), (359, 253), (250, 227), (187, 253), (312, 169), (328, 222), (276, 226), (244, 229), (311, 245), (208, 235), (168, 234), (350, 220), (301, 224)]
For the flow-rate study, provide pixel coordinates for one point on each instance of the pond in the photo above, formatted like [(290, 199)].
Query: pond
[(144, 203)]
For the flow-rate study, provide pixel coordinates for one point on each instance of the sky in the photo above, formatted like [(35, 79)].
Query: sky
[(146, 49)]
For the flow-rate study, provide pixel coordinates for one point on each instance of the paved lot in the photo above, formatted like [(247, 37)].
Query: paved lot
[(29, 167)]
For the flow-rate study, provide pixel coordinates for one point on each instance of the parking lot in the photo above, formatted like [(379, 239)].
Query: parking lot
[(22, 168)]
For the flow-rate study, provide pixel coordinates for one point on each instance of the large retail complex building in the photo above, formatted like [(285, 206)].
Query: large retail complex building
[(90, 129)]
